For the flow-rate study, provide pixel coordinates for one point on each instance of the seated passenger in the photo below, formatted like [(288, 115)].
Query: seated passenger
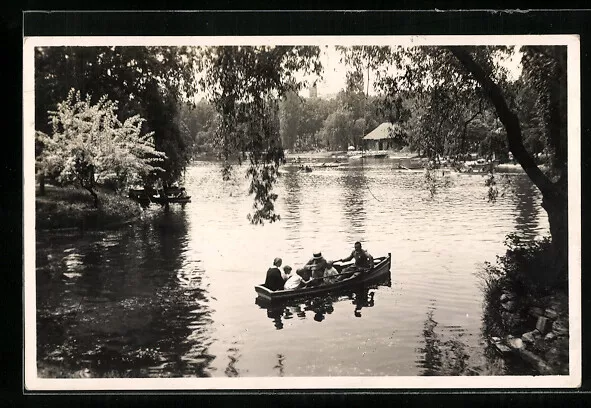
[(313, 271), (274, 280), (306, 277), (330, 272), (293, 281), (182, 193)]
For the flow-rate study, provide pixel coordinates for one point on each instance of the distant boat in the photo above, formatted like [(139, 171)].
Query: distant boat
[(413, 163), (320, 165), (173, 195), (479, 165)]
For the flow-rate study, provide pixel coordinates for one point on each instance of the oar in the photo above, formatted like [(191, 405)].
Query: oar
[(375, 261), (338, 274)]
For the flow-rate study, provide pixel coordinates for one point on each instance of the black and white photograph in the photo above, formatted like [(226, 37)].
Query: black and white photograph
[(302, 212)]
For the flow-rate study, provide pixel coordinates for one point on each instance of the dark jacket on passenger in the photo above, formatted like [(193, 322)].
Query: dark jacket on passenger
[(274, 280)]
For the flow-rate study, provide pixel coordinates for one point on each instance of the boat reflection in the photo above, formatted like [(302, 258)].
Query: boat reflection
[(361, 299), (320, 307)]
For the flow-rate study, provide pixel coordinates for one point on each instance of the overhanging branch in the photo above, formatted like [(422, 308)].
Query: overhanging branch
[(507, 117)]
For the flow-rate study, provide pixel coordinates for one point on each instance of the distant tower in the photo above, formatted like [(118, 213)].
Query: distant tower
[(314, 92)]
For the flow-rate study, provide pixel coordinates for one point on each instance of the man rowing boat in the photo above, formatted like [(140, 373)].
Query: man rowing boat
[(363, 261)]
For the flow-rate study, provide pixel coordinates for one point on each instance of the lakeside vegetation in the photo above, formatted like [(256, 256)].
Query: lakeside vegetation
[(111, 117), (70, 207), (526, 304)]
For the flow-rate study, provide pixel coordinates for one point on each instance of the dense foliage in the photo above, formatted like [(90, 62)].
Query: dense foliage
[(89, 145), (146, 81), (305, 124)]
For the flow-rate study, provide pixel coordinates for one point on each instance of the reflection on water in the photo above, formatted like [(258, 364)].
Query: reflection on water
[(145, 314), (292, 199), (173, 295), (527, 206), (363, 298), (353, 203), (447, 357), (279, 366), (320, 306)]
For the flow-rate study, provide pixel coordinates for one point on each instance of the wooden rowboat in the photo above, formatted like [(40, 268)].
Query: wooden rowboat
[(172, 196), (380, 270)]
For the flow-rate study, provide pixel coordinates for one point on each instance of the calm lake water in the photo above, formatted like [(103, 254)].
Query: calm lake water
[(173, 295)]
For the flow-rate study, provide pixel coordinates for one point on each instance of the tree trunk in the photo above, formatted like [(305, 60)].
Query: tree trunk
[(42, 184), (94, 196), (89, 186), (554, 195), (556, 205)]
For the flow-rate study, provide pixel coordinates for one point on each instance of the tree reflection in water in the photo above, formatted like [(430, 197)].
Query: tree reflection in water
[(233, 356), (441, 357), (137, 307), (353, 202), (280, 368)]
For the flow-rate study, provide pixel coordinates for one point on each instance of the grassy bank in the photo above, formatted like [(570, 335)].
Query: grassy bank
[(68, 207)]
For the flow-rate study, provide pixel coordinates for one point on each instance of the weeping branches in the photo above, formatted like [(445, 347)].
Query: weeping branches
[(244, 84)]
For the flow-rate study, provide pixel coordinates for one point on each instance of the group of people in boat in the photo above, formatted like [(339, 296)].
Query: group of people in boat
[(317, 271)]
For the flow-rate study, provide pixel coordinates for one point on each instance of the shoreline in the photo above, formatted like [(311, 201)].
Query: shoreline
[(71, 209)]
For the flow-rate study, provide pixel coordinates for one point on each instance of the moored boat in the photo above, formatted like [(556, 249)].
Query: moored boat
[(380, 269), (170, 196)]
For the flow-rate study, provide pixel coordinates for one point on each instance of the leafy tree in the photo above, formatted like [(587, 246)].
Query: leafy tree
[(197, 124), (244, 84), (314, 112), (147, 81), (89, 145), (545, 69), (290, 116), (337, 132), (457, 84)]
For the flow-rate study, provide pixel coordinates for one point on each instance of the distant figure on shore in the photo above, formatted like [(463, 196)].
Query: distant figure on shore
[(363, 260), (274, 280)]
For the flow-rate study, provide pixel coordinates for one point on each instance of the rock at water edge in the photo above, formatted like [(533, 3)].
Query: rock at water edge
[(528, 338), (536, 361), (502, 348), (536, 311), (543, 325), (516, 343)]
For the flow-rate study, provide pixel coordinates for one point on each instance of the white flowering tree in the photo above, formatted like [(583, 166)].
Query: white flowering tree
[(91, 146)]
